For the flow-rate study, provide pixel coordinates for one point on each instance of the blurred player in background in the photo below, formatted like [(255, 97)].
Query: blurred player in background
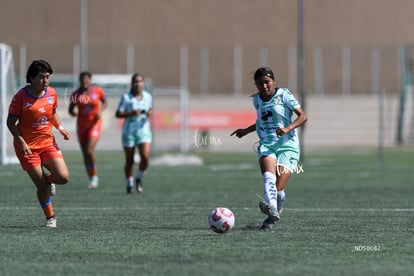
[(279, 144), (32, 115), (90, 101), (135, 108)]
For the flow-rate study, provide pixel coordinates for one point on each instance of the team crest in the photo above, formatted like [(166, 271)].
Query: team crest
[(50, 100), (278, 100)]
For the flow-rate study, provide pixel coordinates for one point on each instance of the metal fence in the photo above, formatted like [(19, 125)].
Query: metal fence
[(221, 69)]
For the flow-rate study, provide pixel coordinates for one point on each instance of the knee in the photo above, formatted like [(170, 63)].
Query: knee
[(62, 179), (144, 160), (90, 151), (144, 163)]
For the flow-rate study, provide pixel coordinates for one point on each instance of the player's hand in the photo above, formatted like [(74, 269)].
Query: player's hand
[(282, 131), (24, 148), (64, 133), (137, 112), (239, 132)]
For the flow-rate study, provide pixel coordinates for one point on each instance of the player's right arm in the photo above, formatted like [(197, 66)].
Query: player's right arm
[(244, 131), (122, 111), (11, 125), (125, 114)]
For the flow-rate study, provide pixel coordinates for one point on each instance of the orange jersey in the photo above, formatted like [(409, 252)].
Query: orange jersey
[(88, 104), (35, 116)]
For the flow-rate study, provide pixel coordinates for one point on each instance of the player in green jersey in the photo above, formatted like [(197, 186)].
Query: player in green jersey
[(135, 108), (279, 144)]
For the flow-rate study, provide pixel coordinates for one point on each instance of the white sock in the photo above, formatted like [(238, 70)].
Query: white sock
[(281, 198), (270, 192), (140, 174), (129, 181)]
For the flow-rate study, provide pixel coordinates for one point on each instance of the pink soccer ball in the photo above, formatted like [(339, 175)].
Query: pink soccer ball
[(221, 220)]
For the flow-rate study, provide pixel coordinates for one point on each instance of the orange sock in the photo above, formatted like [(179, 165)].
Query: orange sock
[(92, 171), (47, 208)]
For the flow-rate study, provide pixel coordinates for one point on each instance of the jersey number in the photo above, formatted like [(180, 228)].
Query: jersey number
[(266, 115)]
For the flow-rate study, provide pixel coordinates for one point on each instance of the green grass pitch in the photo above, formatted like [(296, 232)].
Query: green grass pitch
[(345, 215)]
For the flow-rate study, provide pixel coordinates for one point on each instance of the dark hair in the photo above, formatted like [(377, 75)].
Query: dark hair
[(38, 66), (85, 73), (134, 76), (263, 72)]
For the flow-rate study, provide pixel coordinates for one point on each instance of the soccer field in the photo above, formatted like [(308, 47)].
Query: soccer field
[(345, 215)]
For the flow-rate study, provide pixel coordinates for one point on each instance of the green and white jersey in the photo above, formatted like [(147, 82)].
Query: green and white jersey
[(273, 114), (135, 125)]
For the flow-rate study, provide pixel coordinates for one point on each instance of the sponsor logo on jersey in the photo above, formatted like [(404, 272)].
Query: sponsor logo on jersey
[(42, 110), (278, 100), (43, 121)]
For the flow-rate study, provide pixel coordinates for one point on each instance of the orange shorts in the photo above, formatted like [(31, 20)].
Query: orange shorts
[(86, 133), (38, 156)]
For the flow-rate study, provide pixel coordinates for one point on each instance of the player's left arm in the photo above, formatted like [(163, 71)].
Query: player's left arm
[(299, 121), (57, 124), (149, 113)]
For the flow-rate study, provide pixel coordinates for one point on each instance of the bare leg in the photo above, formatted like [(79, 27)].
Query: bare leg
[(88, 152), (267, 164), (58, 169), (41, 182), (144, 154), (129, 161)]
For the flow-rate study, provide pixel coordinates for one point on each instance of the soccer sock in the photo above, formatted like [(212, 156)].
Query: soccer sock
[(140, 174), (270, 192), (281, 198), (129, 181), (47, 208)]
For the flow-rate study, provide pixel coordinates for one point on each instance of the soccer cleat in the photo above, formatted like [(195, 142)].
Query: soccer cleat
[(93, 182), (268, 223), (51, 222), (129, 190), (52, 189), (267, 210), (138, 184)]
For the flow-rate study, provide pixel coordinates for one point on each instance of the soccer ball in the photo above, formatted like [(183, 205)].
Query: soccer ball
[(221, 220)]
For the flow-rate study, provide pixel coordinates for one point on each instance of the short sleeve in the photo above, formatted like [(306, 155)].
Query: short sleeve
[(290, 100), (15, 108), (150, 101), (55, 102), (122, 104), (102, 94)]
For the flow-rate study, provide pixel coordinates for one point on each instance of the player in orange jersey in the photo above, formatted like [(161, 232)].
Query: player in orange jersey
[(32, 115), (90, 101)]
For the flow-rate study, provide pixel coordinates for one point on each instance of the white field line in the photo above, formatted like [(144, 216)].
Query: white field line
[(208, 208)]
